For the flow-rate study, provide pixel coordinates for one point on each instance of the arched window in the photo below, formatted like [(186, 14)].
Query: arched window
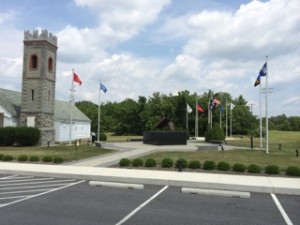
[(34, 62), (50, 64)]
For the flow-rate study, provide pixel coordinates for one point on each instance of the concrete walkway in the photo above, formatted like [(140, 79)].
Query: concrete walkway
[(93, 169)]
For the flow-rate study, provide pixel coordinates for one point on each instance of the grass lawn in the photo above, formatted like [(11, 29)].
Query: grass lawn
[(68, 153), (290, 141)]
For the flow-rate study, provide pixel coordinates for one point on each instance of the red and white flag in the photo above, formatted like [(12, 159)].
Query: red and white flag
[(76, 78)]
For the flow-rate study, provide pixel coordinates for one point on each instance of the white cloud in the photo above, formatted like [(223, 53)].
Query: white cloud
[(125, 17)]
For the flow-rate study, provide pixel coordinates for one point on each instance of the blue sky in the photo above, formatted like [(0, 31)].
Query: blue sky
[(137, 48)]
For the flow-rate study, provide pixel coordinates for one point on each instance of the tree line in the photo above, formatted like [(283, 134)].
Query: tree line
[(130, 117)]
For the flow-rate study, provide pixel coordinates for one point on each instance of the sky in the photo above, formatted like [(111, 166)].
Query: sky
[(139, 47)]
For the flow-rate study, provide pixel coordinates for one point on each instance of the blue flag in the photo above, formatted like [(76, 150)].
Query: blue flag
[(103, 88), (262, 73)]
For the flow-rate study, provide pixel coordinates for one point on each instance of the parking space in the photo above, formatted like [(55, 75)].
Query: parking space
[(75, 202), (15, 188)]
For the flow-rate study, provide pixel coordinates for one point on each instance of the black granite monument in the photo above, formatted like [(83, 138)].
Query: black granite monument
[(171, 137)]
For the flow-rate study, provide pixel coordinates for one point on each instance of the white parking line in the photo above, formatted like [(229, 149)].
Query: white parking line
[(18, 192), (32, 186), (8, 177), (141, 206), (33, 196), (281, 210), (21, 180), (40, 182)]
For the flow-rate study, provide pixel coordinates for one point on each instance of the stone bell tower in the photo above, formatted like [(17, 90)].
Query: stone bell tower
[(38, 83)]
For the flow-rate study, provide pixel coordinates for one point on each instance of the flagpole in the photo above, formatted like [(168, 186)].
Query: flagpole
[(71, 107), (267, 119), (99, 103), (226, 120), (186, 119), (231, 120), (196, 120), (260, 118)]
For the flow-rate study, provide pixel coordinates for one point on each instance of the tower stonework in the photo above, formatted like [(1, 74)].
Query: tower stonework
[(38, 83)]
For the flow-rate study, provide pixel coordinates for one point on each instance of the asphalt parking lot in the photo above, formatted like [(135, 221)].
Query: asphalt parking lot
[(45, 200)]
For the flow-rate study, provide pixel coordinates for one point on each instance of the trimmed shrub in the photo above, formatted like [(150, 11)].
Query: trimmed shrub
[(22, 158), (27, 136), (224, 166), (209, 165), (183, 162), (1, 156), (124, 162), (293, 171), (103, 136), (194, 164), (239, 167), (167, 163), (8, 158), (34, 158), (47, 158), (272, 169), (137, 162), (253, 168), (214, 133), (150, 162), (58, 159), (7, 136)]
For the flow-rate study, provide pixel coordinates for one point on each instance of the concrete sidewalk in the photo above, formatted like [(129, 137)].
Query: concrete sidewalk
[(94, 169), (277, 185)]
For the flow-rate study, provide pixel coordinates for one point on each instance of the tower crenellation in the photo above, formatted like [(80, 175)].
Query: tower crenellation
[(44, 35)]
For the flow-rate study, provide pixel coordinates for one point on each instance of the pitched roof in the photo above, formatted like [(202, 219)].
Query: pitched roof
[(11, 101)]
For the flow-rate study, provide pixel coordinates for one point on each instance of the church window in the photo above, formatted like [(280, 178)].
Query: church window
[(50, 64), (32, 95), (34, 62)]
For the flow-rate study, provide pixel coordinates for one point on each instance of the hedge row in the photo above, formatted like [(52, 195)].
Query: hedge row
[(208, 165), (23, 136), (33, 158)]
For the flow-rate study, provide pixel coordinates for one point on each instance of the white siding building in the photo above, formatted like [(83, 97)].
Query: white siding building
[(10, 105)]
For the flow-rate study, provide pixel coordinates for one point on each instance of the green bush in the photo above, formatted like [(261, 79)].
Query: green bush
[(183, 162), (272, 169), (214, 133), (8, 158), (58, 159), (253, 168), (27, 136), (124, 162), (194, 164), (167, 163), (103, 136), (209, 165), (7, 136), (47, 158), (1, 156), (22, 158), (239, 167), (150, 162), (34, 158), (224, 166), (293, 171), (137, 162)]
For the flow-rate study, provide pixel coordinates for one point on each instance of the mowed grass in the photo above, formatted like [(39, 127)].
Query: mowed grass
[(67, 152), (290, 141)]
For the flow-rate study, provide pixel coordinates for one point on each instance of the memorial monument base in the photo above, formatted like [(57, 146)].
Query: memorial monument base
[(164, 137)]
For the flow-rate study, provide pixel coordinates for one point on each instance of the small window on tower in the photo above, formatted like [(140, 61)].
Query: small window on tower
[(49, 96), (50, 64), (33, 62), (32, 95)]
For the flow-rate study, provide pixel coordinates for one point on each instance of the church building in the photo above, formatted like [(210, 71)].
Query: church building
[(36, 106)]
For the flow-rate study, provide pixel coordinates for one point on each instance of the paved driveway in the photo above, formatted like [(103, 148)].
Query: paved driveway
[(38, 200)]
